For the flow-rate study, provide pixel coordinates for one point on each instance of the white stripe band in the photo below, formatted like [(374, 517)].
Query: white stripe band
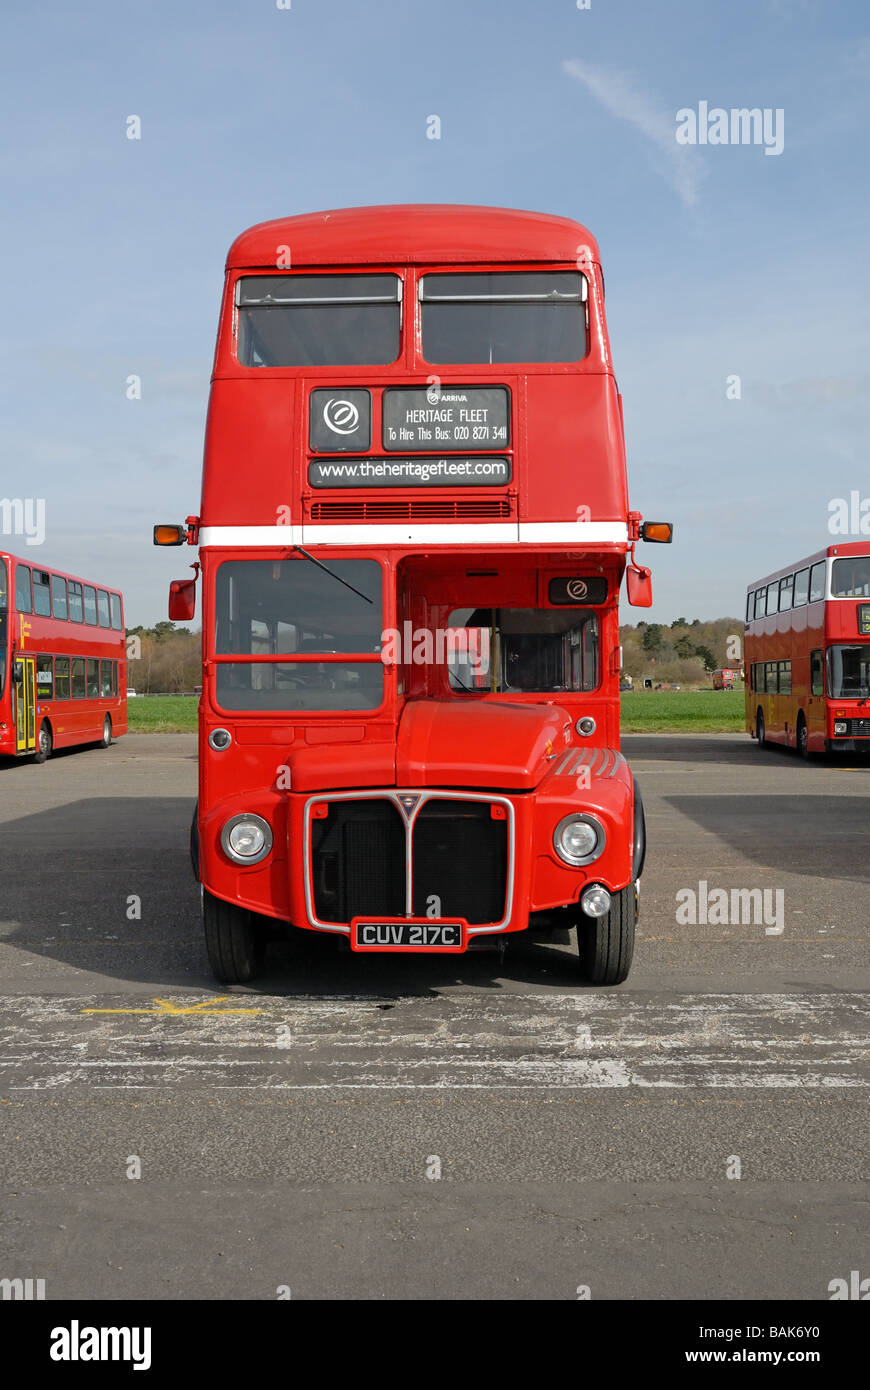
[(471, 533)]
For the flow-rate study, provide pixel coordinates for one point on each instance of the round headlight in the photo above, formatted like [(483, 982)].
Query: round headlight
[(219, 739), (578, 839), (246, 839), (586, 725)]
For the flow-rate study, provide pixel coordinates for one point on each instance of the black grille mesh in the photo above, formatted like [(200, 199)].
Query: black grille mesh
[(460, 857), (358, 861)]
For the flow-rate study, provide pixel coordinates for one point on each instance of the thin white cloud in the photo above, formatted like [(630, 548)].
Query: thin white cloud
[(680, 165)]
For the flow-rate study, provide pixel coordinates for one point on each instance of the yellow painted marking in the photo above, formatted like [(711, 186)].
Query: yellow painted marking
[(166, 1006)]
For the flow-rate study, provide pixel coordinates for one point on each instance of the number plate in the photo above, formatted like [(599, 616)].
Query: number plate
[(408, 935)]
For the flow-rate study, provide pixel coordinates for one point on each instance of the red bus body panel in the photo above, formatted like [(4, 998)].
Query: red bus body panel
[(72, 721), (791, 637), (563, 513)]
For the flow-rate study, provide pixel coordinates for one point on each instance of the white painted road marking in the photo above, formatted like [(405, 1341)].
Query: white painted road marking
[(463, 1042)]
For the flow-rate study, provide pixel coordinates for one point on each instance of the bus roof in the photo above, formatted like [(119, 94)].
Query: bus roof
[(413, 233), (841, 548), (35, 564)]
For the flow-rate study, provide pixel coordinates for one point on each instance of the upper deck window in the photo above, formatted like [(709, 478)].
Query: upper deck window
[(504, 316), (41, 593), (58, 596), (23, 601), (817, 581), (318, 320), (850, 578)]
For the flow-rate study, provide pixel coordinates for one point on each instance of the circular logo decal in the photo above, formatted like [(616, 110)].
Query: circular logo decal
[(342, 417), (577, 588)]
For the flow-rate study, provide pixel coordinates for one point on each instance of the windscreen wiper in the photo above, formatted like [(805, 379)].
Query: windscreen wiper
[(332, 573)]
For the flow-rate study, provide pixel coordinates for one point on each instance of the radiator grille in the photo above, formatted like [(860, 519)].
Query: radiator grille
[(460, 854), (859, 726)]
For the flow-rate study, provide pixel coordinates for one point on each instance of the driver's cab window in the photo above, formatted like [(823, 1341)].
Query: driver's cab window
[(515, 650)]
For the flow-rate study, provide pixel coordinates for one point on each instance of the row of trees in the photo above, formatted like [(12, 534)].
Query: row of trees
[(163, 659), (683, 653)]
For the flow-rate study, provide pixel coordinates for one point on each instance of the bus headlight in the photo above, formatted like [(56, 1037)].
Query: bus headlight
[(595, 900), (840, 726), (579, 839), (246, 839)]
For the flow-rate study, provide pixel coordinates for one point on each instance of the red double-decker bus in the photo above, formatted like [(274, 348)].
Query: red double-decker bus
[(413, 530), (63, 669), (807, 653)]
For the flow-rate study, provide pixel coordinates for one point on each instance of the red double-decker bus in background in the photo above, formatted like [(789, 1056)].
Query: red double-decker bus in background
[(413, 529), (63, 667), (807, 653)]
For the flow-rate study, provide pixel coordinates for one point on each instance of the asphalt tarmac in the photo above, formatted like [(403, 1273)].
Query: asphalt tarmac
[(462, 1127)]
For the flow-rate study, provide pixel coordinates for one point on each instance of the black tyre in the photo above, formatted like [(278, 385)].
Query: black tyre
[(106, 740), (606, 944), (44, 743), (802, 738), (759, 728), (233, 940)]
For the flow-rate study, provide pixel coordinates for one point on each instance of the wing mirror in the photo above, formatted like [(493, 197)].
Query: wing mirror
[(182, 600), (638, 583)]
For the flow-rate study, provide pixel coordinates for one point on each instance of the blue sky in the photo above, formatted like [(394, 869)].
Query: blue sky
[(719, 260)]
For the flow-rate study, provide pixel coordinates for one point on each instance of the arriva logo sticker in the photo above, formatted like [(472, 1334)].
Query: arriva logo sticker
[(341, 416)]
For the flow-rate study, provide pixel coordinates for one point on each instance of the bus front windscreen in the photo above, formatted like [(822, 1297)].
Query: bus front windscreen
[(850, 577), (296, 608), (849, 671)]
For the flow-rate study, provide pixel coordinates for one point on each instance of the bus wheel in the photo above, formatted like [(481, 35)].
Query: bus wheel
[(232, 940), (106, 740), (44, 743), (606, 944), (759, 728), (803, 742)]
